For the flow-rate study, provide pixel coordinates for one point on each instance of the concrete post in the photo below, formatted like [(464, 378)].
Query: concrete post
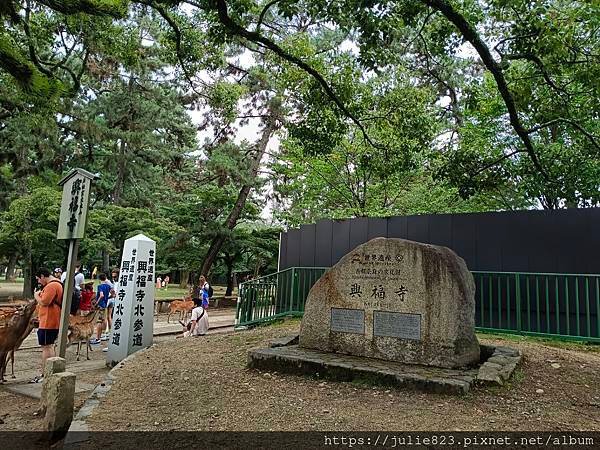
[(52, 366), (60, 397)]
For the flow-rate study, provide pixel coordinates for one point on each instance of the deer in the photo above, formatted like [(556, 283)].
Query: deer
[(32, 324), (184, 307), (12, 334), (81, 329)]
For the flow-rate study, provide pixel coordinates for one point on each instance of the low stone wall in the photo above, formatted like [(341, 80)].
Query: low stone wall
[(500, 365), (496, 366)]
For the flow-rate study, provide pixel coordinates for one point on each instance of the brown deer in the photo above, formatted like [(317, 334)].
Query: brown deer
[(81, 329), (184, 307), (32, 324), (14, 331)]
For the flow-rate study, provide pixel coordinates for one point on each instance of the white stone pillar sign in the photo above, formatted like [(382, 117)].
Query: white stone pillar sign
[(133, 313)]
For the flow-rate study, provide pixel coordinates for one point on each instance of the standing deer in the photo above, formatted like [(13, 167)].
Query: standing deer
[(184, 307), (81, 329), (11, 356), (14, 332)]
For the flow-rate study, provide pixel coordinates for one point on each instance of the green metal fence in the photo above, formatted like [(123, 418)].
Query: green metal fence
[(545, 304), (564, 306), (279, 294)]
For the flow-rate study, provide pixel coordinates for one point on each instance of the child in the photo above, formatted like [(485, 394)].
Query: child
[(102, 297), (85, 304)]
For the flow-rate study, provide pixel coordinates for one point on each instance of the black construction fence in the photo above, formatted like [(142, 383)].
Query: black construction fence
[(533, 269)]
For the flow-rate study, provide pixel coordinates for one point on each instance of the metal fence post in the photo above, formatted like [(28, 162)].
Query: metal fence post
[(294, 285), (518, 294)]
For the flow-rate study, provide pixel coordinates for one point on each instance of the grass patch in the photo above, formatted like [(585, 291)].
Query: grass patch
[(568, 345), (17, 281)]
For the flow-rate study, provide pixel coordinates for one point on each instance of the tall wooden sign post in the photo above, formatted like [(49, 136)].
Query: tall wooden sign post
[(71, 226)]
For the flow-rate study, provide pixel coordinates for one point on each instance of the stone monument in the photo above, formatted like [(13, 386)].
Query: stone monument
[(133, 317), (396, 312), (396, 300)]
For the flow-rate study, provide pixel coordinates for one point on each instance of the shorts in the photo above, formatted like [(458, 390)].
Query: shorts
[(101, 316), (46, 336)]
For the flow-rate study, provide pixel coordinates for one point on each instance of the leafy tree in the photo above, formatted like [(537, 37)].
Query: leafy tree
[(28, 228)]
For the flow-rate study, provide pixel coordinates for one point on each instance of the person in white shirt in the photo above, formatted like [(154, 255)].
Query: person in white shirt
[(79, 280), (114, 282), (198, 325)]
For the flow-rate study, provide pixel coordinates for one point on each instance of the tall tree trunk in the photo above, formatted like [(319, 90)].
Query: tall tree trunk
[(234, 215), (121, 169), (28, 274), (122, 159), (106, 262), (229, 263), (10, 269), (185, 278)]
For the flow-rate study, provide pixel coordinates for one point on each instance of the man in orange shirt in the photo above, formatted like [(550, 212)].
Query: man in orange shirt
[(49, 299)]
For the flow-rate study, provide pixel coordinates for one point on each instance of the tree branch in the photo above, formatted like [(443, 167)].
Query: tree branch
[(471, 35), (571, 122), (236, 30), (114, 8), (537, 61), (263, 13), (165, 15)]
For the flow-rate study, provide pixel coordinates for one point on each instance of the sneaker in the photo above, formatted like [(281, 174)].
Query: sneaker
[(94, 341), (37, 379), (105, 349), (104, 338)]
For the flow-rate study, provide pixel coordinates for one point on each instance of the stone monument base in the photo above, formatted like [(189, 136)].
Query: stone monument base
[(301, 361)]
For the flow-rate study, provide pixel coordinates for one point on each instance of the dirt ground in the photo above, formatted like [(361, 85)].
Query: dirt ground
[(17, 412), (203, 384)]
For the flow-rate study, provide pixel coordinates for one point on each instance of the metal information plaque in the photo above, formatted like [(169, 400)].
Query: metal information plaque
[(348, 320), (398, 325)]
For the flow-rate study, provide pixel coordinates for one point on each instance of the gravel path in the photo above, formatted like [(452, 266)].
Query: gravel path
[(203, 384)]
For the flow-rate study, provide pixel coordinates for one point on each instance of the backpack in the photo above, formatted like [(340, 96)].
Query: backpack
[(56, 300), (75, 301), (210, 290)]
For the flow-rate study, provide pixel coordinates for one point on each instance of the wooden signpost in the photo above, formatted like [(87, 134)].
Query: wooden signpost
[(73, 217)]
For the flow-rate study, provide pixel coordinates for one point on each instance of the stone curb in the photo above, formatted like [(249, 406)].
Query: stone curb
[(78, 431), (500, 366)]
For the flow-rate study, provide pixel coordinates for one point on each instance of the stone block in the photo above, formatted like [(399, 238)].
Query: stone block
[(285, 341), (507, 371), (489, 374), (53, 365), (507, 351), (502, 360), (300, 361), (60, 396)]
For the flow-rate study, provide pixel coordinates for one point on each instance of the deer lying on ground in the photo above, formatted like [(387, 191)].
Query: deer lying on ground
[(81, 329), (184, 307), (13, 332)]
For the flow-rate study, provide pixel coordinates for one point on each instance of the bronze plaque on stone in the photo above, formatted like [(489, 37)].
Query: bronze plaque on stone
[(398, 325), (345, 320)]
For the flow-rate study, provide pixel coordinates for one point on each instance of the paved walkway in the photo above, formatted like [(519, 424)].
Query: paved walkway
[(217, 318)]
